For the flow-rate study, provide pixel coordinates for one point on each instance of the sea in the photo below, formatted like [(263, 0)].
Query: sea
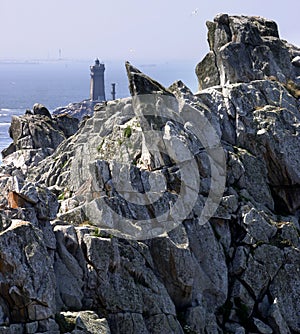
[(56, 83)]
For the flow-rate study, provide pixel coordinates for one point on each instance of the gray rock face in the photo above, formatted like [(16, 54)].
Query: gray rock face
[(27, 289), (37, 134), (139, 83), (39, 109), (244, 49), (78, 110), (230, 265)]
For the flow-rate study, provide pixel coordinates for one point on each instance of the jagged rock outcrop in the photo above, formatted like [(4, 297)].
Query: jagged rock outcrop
[(243, 49), (166, 212), (36, 135)]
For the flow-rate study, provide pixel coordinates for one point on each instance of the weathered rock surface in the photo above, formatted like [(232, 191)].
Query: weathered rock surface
[(82, 322), (77, 110), (68, 264), (36, 135), (27, 287), (243, 49)]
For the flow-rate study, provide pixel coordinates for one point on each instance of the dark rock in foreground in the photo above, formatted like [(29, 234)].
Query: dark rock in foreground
[(68, 264)]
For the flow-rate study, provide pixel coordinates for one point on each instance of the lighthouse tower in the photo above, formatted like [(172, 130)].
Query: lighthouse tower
[(97, 91)]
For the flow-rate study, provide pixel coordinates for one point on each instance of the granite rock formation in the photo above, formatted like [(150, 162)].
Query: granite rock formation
[(67, 266), (77, 110), (36, 135), (243, 49)]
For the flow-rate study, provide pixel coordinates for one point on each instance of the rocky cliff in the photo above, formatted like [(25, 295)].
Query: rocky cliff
[(168, 211)]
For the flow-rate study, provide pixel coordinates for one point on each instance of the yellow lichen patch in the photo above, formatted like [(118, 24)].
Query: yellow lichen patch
[(293, 88)]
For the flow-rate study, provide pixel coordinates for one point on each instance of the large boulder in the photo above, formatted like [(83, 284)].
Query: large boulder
[(243, 49)]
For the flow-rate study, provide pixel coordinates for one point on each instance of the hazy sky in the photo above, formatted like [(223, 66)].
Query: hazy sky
[(126, 30)]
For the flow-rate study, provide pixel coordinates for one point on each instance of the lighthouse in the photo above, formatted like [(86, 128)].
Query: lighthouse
[(97, 91)]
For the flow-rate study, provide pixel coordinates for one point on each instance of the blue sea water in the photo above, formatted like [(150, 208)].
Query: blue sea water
[(58, 83)]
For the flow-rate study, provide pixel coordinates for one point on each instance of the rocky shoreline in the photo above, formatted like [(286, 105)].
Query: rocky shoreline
[(67, 265)]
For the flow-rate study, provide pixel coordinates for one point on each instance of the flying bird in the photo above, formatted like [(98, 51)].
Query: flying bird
[(195, 12)]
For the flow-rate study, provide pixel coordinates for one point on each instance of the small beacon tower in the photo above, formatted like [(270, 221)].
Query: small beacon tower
[(97, 91), (113, 91)]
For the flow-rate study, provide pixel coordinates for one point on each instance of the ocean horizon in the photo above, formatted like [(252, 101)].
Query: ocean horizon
[(58, 83)]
